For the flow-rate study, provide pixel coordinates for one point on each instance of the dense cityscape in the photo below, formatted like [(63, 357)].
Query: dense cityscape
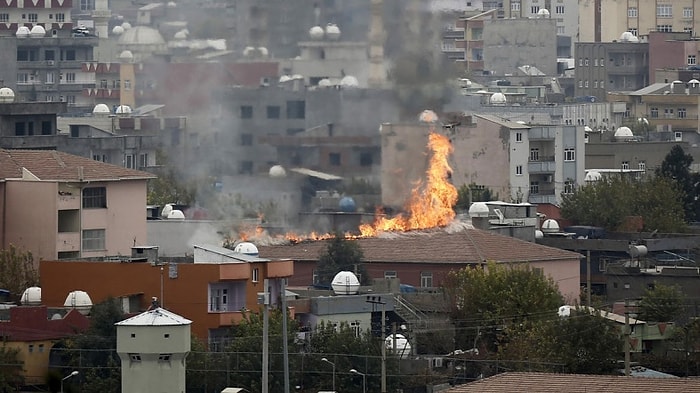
[(224, 196)]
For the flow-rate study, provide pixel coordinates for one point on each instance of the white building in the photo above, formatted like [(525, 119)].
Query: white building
[(152, 347)]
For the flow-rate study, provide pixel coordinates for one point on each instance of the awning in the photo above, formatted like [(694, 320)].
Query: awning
[(320, 175)]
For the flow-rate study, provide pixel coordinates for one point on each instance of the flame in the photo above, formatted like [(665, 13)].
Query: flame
[(429, 206), (430, 203)]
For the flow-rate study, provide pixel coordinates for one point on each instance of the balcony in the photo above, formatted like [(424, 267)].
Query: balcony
[(453, 34), (544, 196), (67, 241), (545, 165), (229, 318), (68, 201), (542, 133), (234, 271)]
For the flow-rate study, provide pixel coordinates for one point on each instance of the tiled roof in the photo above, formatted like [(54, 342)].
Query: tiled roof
[(576, 383), (60, 166), (466, 245)]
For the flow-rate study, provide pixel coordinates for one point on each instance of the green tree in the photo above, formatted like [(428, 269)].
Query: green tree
[(246, 342), (663, 303), (169, 186), (466, 194), (609, 201), (17, 271), (486, 299), (10, 369), (676, 166), (94, 353), (582, 343), (341, 254)]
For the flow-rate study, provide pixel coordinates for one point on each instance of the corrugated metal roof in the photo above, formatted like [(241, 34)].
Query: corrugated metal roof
[(156, 317), (230, 253)]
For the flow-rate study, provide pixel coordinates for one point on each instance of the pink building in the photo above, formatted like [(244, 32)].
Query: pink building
[(58, 205), (671, 51)]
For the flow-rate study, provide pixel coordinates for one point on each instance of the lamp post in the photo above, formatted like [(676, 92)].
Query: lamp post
[(332, 364), (364, 379), (72, 374)]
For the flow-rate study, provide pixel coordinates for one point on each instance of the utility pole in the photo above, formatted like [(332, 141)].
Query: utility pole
[(378, 300), (627, 338), (285, 349), (264, 300), (588, 278)]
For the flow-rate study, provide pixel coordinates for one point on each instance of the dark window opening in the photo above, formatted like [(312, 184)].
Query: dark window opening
[(246, 140), (246, 112), (296, 109), (45, 128), (366, 159), (273, 112), (20, 129), (334, 159), (94, 197), (246, 168)]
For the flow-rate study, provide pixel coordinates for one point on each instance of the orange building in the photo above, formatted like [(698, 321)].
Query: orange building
[(214, 294)]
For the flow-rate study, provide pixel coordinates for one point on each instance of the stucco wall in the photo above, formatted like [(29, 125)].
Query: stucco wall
[(510, 43), (31, 219)]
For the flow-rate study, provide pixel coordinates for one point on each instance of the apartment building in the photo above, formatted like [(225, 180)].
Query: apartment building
[(610, 66), (605, 20), (57, 205)]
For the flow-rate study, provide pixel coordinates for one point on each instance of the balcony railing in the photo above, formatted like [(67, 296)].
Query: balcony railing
[(67, 241), (68, 202), (545, 166)]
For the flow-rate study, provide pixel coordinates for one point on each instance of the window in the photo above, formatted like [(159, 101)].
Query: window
[(602, 84), (595, 62), (4, 18), (664, 10), (534, 154), (273, 112), (41, 348), (31, 348), (664, 28), (314, 276), (245, 167), (595, 84), (356, 329), (103, 83), (130, 161), (255, 275), (218, 299), (625, 165), (93, 239), (33, 18), (366, 159), (127, 84), (534, 9), (586, 63), (60, 18), (334, 159), (115, 84), (692, 60), (585, 84), (570, 154), (246, 112), (534, 187), (687, 12), (46, 128), (87, 5), (515, 6), (296, 109), (518, 136), (246, 139), (20, 128), (134, 357), (519, 170), (22, 55), (632, 12), (95, 198), (70, 77), (580, 84), (678, 136), (654, 112), (390, 274), (561, 30), (642, 166), (668, 113), (164, 357), (143, 160), (681, 113), (70, 54), (602, 62), (559, 9), (426, 279)]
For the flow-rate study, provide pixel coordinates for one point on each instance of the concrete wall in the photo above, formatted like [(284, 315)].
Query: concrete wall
[(510, 43), (404, 161), (31, 218)]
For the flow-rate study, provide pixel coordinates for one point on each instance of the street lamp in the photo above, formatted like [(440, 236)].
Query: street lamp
[(72, 374), (332, 364), (364, 379)]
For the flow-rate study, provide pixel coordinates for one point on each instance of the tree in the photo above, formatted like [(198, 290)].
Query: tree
[(341, 254), (582, 343), (486, 299), (169, 187), (676, 166), (662, 303), (10, 369), (466, 194), (17, 271), (607, 202), (93, 353)]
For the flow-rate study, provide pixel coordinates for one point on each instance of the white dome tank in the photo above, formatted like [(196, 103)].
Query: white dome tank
[(332, 32), (325, 82), (479, 209), (316, 33), (623, 134), (249, 51), (550, 226), (543, 13), (79, 300), (166, 210), (285, 78), (126, 26), (31, 296), (118, 30), (101, 109), (7, 95), (247, 248), (22, 32), (497, 99), (123, 109), (592, 176), (349, 81), (176, 215), (345, 283), (37, 31), (126, 56), (277, 171), (428, 116), (628, 37), (263, 51), (180, 35), (403, 347)]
